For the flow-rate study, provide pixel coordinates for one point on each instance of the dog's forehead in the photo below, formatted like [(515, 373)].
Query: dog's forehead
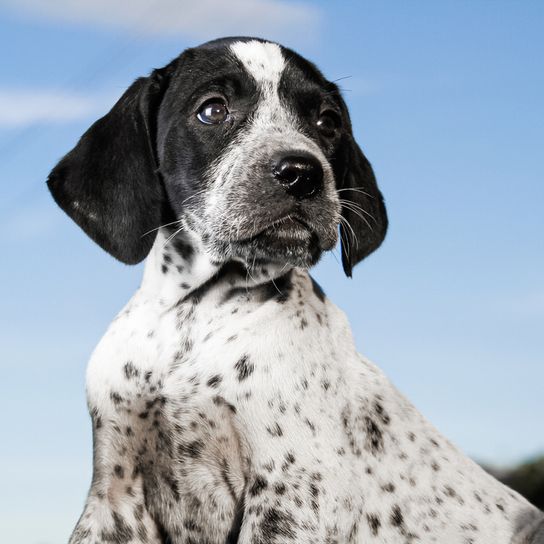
[(263, 60)]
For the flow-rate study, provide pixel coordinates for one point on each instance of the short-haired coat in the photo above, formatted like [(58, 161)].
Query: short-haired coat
[(227, 398)]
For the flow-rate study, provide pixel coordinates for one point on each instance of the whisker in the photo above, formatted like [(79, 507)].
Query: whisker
[(341, 78), (357, 207), (160, 227), (351, 207), (177, 221), (362, 218), (198, 193), (277, 289), (357, 190), (343, 220), (344, 236), (172, 236), (333, 253)]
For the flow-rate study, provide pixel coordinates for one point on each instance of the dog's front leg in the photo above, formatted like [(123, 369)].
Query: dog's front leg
[(275, 514), (115, 510)]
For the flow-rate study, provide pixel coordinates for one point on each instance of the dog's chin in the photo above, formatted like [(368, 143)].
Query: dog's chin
[(275, 250), (287, 242)]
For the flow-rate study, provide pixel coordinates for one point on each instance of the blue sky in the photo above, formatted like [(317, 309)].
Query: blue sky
[(446, 100)]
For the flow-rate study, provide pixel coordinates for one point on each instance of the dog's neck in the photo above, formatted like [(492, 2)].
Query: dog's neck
[(179, 266)]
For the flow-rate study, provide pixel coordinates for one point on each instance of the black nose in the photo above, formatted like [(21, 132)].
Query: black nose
[(301, 176)]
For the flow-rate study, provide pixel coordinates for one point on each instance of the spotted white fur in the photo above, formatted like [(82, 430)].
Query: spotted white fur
[(230, 405), (316, 438)]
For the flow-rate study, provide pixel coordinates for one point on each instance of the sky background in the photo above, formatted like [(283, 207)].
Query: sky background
[(447, 102)]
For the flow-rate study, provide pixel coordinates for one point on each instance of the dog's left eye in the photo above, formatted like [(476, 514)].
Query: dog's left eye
[(328, 123), (213, 112)]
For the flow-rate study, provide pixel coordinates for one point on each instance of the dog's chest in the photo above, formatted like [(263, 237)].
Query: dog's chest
[(225, 392)]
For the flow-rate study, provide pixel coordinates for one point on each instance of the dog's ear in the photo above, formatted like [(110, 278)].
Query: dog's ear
[(364, 218), (108, 184)]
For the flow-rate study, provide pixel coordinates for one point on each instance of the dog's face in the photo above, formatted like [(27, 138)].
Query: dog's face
[(240, 141), (245, 148)]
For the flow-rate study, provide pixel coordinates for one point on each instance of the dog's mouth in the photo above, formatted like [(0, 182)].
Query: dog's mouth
[(288, 229), (291, 236), (289, 239)]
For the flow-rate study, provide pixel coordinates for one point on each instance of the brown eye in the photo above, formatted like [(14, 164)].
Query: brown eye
[(213, 112), (328, 123)]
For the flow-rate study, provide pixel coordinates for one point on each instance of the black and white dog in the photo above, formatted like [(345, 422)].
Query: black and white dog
[(227, 398)]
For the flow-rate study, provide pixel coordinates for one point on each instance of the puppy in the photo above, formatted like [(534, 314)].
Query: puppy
[(228, 401)]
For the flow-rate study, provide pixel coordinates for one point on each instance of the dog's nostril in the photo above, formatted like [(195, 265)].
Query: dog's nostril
[(287, 174), (301, 176)]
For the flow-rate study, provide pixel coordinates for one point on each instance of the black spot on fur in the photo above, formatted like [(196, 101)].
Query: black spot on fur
[(244, 368), (374, 523), (192, 449), (449, 491), (314, 496), (184, 249), (289, 460), (276, 523), (121, 532), (258, 486), (220, 401), (214, 381), (381, 413), (280, 488), (310, 425), (396, 518), (374, 436), (116, 398), (275, 430), (130, 371)]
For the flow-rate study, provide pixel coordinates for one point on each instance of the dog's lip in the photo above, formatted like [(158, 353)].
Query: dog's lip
[(289, 227), (289, 221)]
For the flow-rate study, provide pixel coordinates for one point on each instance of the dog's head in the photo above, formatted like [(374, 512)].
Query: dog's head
[(241, 141)]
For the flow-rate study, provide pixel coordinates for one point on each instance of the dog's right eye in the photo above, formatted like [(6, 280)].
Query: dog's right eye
[(213, 112)]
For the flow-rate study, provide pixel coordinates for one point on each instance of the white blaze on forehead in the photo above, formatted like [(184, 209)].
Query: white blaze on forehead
[(264, 61)]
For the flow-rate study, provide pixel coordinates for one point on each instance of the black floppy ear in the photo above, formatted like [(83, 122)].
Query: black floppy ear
[(108, 184), (364, 218)]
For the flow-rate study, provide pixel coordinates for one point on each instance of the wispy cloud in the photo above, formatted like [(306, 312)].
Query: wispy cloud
[(193, 18), (20, 108)]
